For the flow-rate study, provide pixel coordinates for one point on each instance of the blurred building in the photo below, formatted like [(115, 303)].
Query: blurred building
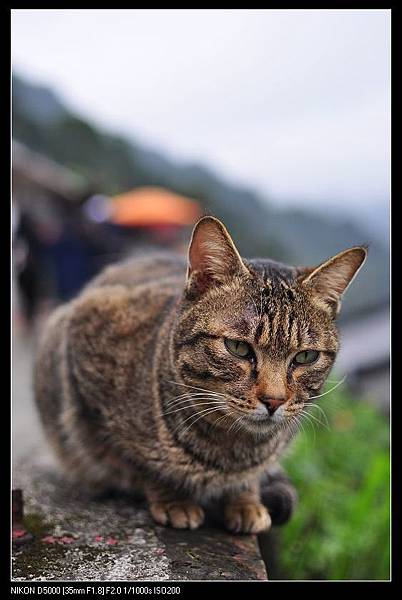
[(63, 235), (364, 356), (40, 184), (45, 195)]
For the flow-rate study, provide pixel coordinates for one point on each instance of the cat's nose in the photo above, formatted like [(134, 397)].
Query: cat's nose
[(272, 404)]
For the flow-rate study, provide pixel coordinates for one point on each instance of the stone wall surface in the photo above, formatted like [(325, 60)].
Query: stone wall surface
[(76, 538)]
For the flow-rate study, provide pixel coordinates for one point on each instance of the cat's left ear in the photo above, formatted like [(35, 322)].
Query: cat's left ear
[(212, 256), (329, 281)]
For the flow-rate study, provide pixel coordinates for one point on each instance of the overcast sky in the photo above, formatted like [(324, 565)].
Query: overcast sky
[(295, 103)]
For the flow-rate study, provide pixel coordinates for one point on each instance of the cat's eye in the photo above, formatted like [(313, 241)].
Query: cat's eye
[(307, 357), (238, 348)]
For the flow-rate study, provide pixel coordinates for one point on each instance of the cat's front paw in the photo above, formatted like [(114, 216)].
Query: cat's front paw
[(178, 514), (250, 517)]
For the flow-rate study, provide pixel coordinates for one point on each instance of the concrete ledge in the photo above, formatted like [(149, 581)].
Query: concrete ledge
[(80, 539)]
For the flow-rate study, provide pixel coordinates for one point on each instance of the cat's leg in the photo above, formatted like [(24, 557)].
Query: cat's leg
[(169, 508), (244, 511)]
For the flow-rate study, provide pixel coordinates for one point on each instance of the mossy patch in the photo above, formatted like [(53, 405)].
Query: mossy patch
[(37, 525)]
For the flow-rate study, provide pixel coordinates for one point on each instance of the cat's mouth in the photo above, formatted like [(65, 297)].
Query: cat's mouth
[(258, 418), (262, 417), (264, 412)]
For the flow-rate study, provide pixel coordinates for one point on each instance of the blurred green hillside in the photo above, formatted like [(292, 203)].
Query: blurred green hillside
[(112, 164)]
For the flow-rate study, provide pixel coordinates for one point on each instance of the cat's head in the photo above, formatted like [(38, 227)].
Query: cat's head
[(255, 340)]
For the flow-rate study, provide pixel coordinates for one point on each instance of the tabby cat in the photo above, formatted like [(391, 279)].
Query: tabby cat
[(187, 388)]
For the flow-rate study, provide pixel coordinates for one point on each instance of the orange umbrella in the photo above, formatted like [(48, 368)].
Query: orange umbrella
[(153, 206)]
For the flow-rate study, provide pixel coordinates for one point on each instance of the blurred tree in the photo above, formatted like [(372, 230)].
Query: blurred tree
[(113, 165)]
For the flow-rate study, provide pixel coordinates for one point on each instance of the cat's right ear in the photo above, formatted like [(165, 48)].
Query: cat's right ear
[(212, 256), (329, 281)]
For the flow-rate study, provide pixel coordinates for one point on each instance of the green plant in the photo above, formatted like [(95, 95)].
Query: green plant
[(341, 527)]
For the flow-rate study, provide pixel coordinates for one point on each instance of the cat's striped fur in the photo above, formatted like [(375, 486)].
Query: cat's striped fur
[(137, 390)]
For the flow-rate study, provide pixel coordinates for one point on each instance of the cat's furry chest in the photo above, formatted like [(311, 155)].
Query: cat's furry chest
[(118, 349)]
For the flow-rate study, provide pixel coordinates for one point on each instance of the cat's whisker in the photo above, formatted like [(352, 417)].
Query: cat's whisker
[(296, 425), (199, 412), (194, 402), (238, 423), (313, 429), (314, 425), (196, 394), (277, 427), (306, 416), (293, 425), (199, 416), (226, 416), (190, 401), (194, 399), (169, 412), (305, 433), (329, 391), (238, 428), (326, 425), (287, 426), (189, 395), (192, 387), (180, 428), (228, 412), (300, 424), (313, 405), (234, 423), (294, 419)]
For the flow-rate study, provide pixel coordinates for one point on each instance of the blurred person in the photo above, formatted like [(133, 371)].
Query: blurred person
[(28, 265)]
